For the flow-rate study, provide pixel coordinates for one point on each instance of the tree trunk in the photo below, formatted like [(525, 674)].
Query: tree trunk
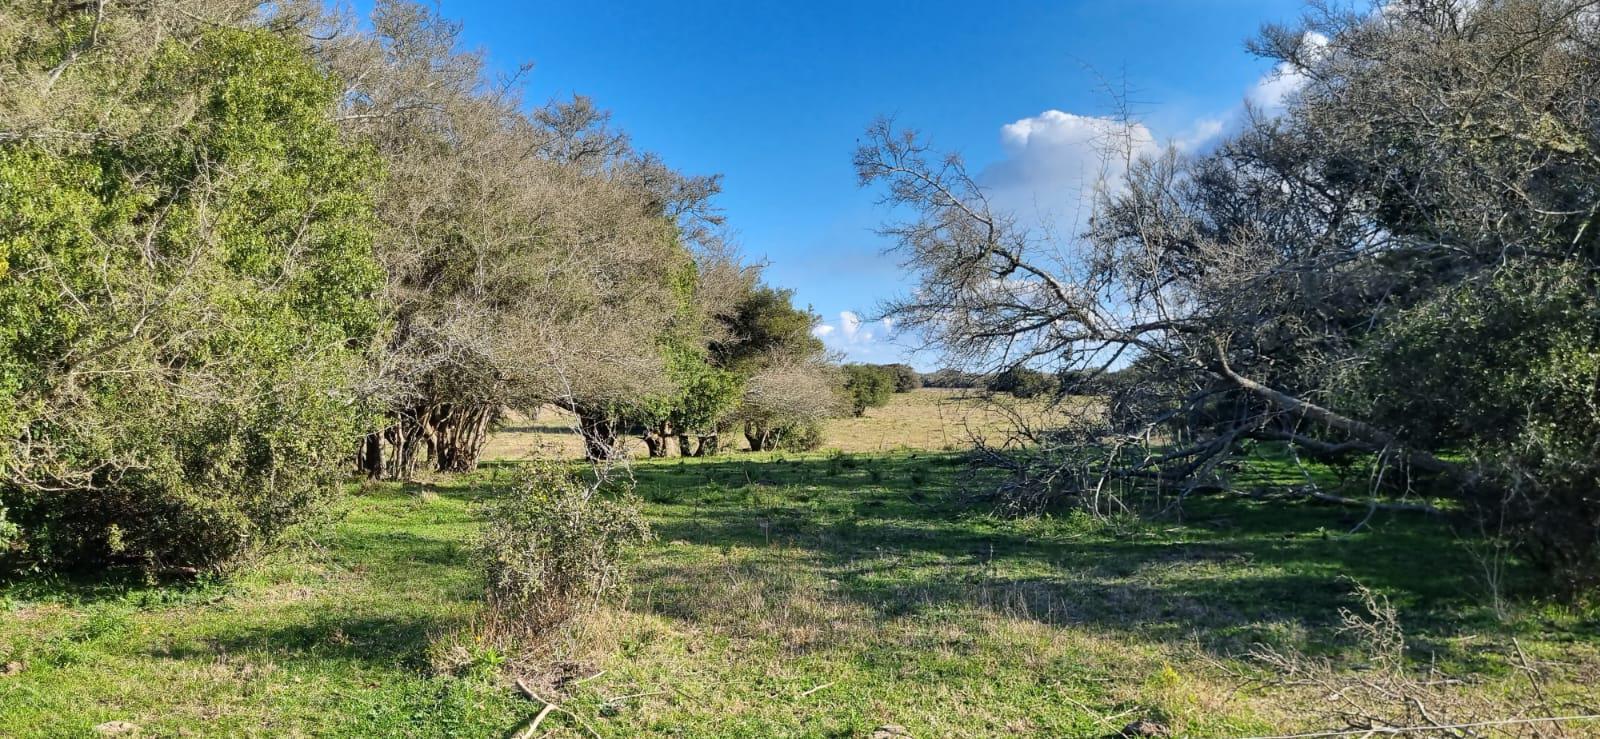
[(599, 435), (371, 457), (710, 445), (460, 433), (654, 445)]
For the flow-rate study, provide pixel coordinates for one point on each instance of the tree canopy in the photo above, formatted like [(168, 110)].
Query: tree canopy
[(248, 247)]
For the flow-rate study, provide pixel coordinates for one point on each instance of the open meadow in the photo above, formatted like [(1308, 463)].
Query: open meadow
[(928, 419), (825, 594)]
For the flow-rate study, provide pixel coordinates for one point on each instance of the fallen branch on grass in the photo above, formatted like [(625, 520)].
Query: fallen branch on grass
[(1318, 495), (813, 690), (1402, 730), (549, 706), (526, 732)]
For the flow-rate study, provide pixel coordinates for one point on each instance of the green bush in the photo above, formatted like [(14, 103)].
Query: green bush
[(183, 314), (906, 378), (800, 437), (1023, 382), (1503, 371), (552, 548), (867, 386), (9, 533)]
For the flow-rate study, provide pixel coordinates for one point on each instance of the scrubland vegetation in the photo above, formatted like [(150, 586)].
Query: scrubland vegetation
[(345, 392)]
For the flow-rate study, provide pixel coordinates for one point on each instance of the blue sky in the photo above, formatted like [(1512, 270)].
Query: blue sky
[(774, 95)]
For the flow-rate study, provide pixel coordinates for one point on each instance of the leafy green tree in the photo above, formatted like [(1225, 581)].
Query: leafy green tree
[(763, 325), (700, 396), (868, 386), (186, 295), (906, 378), (788, 387), (1023, 382)]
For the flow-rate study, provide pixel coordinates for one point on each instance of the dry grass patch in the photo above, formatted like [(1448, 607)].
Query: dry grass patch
[(927, 419)]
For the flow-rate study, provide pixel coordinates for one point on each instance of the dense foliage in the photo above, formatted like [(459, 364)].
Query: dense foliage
[(868, 386), (906, 377), (186, 286), (1022, 382), (244, 245)]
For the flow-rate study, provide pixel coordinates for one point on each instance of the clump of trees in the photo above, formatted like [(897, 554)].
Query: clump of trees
[(906, 377), (951, 378), (1022, 382), (249, 247), (788, 387), (1398, 271)]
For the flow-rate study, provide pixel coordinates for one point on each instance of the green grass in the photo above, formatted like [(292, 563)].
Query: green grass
[(814, 596)]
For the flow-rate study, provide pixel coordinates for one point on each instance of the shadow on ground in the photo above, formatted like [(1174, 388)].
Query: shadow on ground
[(892, 535)]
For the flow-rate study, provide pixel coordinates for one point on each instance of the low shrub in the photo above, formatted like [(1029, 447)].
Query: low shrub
[(800, 437), (552, 549)]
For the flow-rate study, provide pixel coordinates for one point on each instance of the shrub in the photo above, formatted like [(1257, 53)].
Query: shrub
[(952, 378), (800, 437), (1503, 371), (1023, 382), (552, 549), (10, 533), (867, 386), (183, 312), (906, 379)]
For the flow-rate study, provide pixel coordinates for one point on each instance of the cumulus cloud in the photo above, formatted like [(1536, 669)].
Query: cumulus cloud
[(1055, 159), (821, 330), (850, 324), (1269, 95)]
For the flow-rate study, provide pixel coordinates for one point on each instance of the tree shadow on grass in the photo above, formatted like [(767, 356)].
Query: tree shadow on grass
[(382, 641), (1232, 573)]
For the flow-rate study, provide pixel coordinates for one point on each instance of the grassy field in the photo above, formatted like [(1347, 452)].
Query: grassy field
[(815, 595), (925, 419)]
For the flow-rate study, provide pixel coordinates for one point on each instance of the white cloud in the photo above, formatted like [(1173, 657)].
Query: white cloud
[(860, 339), (1273, 89), (1203, 132), (1055, 159), (1268, 95), (850, 323)]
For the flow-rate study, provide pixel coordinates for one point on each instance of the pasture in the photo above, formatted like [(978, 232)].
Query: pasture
[(827, 594)]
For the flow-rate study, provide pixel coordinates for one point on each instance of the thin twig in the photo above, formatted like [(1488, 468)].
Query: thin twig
[(813, 690), (1398, 730)]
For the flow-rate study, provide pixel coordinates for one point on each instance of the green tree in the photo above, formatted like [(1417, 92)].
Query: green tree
[(868, 386), (765, 325), (186, 298), (906, 378), (1022, 382)]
